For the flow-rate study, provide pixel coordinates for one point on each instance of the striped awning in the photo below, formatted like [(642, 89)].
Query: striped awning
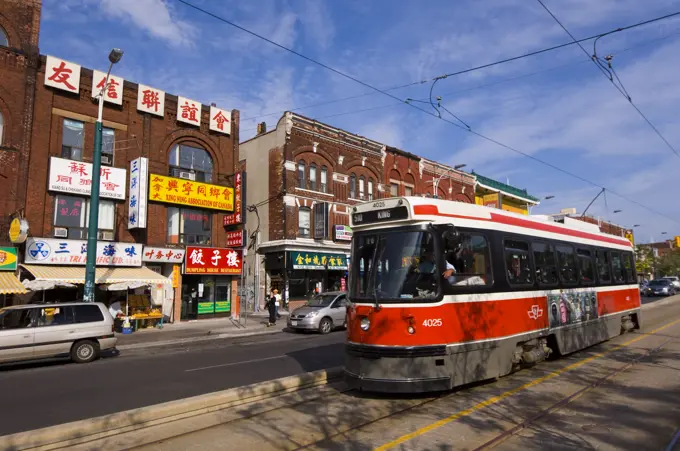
[(9, 284), (76, 274)]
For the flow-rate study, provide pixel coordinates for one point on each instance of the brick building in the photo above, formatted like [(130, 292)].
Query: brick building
[(169, 167)]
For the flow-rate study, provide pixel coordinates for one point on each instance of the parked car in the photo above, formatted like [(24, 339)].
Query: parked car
[(324, 312), (661, 287), (77, 330), (675, 280)]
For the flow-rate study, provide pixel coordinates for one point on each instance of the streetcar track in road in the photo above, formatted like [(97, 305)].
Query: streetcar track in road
[(243, 362), (508, 394)]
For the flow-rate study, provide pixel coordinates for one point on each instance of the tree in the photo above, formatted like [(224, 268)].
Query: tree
[(645, 262), (669, 265)]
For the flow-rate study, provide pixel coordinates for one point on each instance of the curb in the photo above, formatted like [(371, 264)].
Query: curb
[(196, 339), (78, 432)]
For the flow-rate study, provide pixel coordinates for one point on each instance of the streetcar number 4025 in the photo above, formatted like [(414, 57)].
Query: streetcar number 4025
[(432, 322)]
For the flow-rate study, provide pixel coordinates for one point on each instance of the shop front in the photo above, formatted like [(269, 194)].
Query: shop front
[(167, 262), (9, 284), (210, 282)]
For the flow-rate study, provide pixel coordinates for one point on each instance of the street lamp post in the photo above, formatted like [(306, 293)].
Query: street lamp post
[(93, 226), (436, 183)]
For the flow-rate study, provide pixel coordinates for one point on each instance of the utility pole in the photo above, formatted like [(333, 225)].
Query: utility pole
[(93, 226)]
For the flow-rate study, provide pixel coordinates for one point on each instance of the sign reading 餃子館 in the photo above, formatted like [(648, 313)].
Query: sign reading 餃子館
[(137, 204), (318, 260), (220, 120), (193, 194), (212, 260), (8, 258), (163, 255), (75, 177), (237, 217), (18, 230), (114, 89), (54, 251), (62, 74)]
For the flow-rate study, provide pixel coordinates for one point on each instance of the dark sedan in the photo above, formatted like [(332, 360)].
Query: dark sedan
[(660, 287)]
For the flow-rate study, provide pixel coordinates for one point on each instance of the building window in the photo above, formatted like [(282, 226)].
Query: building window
[(189, 226), (304, 222), (3, 38), (72, 140), (370, 189), (352, 186), (362, 183), (394, 189), (324, 179), (312, 177), (108, 144), (408, 191), (73, 213), (191, 163), (301, 174)]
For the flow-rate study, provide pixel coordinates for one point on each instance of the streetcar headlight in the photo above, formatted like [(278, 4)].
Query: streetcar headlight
[(411, 330), (365, 323)]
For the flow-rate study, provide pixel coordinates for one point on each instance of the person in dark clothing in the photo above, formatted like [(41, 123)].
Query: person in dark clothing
[(271, 307)]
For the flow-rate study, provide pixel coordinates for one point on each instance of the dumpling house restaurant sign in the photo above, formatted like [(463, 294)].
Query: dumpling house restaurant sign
[(212, 260)]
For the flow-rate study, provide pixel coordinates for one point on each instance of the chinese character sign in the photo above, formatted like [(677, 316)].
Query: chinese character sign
[(235, 239), (62, 74), (113, 91), (75, 177), (237, 217), (163, 255), (137, 203), (220, 120), (150, 100), (188, 111), (211, 260), (54, 251), (187, 192)]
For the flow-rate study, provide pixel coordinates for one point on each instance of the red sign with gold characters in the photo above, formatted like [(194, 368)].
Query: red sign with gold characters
[(236, 218), (235, 239), (212, 260)]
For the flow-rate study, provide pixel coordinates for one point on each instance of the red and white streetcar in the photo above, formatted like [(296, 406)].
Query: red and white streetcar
[(445, 293)]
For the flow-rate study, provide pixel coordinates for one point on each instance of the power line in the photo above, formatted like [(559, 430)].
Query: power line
[(618, 87), (444, 76)]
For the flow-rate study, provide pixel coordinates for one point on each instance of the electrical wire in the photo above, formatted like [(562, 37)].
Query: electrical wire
[(607, 74), (564, 171)]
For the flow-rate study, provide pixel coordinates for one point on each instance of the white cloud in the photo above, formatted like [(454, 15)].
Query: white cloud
[(317, 22), (155, 17)]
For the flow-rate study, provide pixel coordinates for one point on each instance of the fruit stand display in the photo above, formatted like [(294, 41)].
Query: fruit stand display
[(142, 313)]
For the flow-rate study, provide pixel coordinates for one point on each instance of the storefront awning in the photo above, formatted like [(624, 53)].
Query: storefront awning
[(9, 284), (76, 274)]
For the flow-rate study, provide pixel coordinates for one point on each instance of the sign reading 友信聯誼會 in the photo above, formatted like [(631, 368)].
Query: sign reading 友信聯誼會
[(190, 193)]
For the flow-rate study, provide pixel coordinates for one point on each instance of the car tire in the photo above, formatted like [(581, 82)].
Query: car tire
[(85, 351), (325, 326)]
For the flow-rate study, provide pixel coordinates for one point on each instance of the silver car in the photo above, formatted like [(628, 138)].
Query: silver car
[(324, 312)]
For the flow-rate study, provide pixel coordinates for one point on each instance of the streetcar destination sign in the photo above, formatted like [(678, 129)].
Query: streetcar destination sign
[(371, 216)]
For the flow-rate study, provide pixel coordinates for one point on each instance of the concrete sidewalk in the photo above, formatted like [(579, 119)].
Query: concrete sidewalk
[(201, 330)]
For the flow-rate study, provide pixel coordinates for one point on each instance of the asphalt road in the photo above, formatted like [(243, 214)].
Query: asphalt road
[(45, 394)]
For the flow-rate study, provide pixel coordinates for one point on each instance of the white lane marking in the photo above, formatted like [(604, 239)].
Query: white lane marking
[(235, 363)]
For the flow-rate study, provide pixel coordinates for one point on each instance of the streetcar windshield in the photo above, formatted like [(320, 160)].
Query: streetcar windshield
[(397, 265)]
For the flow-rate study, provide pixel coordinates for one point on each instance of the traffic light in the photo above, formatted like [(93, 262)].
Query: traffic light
[(677, 241)]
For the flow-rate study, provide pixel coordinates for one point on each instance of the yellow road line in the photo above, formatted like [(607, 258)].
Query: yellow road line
[(514, 391)]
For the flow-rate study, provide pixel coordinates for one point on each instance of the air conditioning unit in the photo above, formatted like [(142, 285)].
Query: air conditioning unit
[(60, 232), (105, 235), (107, 159), (187, 175)]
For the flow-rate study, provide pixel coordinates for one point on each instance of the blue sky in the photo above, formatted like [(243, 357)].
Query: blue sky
[(557, 106)]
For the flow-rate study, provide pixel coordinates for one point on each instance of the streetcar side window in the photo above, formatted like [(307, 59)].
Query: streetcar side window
[(629, 268), (566, 259), (617, 268), (585, 266), (517, 263), (603, 270), (546, 267), (468, 263)]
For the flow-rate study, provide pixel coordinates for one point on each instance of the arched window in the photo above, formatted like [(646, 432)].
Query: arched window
[(304, 222), (191, 162), (370, 188), (324, 179), (362, 185), (312, 177), (352, 186), (3, 38), (301, 174), (2, 128)]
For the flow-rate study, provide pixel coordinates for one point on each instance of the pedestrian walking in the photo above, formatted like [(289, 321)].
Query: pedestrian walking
[(277, 303), (271, 307)]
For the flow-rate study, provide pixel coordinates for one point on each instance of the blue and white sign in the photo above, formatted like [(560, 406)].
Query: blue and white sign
[(53, 251), (139, 193)]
